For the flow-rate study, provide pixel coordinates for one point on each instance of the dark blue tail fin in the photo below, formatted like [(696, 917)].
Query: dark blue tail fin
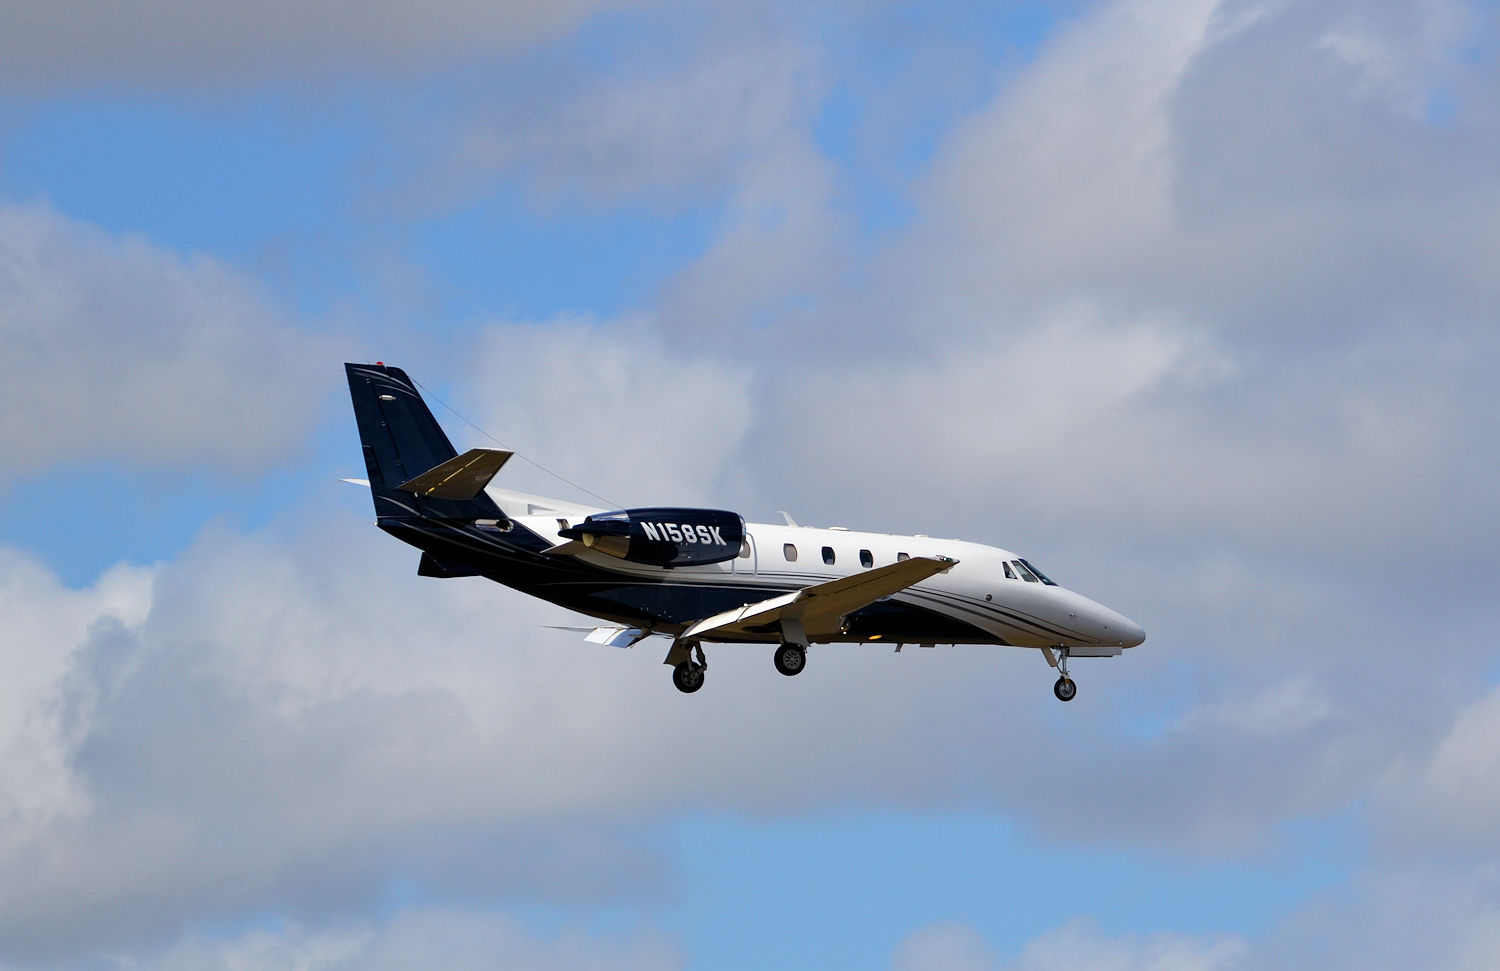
[(402, 440)]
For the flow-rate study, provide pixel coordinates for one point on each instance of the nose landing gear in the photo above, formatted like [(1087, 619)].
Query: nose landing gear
[(1064, 689)]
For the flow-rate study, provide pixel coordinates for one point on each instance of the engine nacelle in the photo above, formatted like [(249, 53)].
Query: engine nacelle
[(663, 536)]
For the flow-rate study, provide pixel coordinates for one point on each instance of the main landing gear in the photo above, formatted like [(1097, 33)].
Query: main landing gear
[(689, 665), (688, 674), (791, 659), (1064, 689)]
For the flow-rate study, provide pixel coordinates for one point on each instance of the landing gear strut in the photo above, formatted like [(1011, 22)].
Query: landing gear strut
[(688, 675), (1064, 689), (791, 659)]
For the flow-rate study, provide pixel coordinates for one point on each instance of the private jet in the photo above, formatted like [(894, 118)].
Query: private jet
[(706, 575)]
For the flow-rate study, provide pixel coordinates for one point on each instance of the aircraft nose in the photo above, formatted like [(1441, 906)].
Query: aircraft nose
[(1105, 626), (1119, 631)]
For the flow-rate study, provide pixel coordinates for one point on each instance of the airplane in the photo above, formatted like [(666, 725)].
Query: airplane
[(706, 575)]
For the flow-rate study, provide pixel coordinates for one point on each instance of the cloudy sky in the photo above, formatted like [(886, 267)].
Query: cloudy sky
[(1193, 303)]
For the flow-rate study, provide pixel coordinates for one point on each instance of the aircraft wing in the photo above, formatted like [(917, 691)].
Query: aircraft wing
[(818, 609)]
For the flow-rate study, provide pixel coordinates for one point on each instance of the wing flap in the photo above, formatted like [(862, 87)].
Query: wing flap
[(612, 636), (819, 608), (461, 477), (616, 636)]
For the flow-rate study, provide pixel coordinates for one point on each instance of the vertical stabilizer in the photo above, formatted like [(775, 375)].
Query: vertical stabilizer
[(401, 441)]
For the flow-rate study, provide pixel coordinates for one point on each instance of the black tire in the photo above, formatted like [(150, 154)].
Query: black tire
[(1065, 689), (688, 677), (790, 659)]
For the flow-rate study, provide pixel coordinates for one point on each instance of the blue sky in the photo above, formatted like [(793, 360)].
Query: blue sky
[(1191, 303)]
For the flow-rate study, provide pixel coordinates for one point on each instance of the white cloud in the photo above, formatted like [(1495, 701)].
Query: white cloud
[(1401, 52), (682, 129), (1446, 799), (1393, 917), (779, 249), (1293, 706), (1072, 165), (477, 940), (119, 350), (946, 946), (456, 939), (45, 621), (1176, 277), (1079, 945), (90, 41), (726, 127), (614, 406), (1039, 415)]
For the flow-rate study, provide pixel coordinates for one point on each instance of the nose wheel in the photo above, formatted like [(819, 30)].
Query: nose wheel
[(1064, 689)]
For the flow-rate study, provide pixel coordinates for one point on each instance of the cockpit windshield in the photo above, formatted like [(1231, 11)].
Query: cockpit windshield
[(1037, 573)]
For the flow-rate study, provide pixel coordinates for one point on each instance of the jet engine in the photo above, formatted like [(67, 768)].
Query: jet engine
[(663, 536)]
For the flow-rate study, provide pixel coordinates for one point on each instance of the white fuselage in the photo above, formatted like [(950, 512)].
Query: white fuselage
[(986, 588)]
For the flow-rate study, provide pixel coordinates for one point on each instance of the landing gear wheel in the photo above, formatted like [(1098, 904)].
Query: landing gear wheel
[(1065, 689), (688, 677), (790, 659)]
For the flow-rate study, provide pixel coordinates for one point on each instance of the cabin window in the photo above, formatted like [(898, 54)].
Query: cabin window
[(1009, 573), (1025, 573), (745, 548), (790, 552), (902, 556), (865, 559), (828, 555)]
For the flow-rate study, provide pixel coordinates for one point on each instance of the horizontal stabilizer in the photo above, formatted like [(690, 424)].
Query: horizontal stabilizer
[(461, 477)]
